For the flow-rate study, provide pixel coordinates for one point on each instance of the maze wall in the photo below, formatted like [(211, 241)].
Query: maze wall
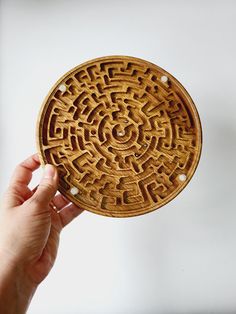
[(123, 133)]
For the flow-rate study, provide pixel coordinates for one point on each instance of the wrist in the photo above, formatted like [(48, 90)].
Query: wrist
[(16, 289)]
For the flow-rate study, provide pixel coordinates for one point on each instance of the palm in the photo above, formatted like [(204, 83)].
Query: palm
[(41, 222)]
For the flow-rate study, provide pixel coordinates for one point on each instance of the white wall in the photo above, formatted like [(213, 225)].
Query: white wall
[(181, 258)]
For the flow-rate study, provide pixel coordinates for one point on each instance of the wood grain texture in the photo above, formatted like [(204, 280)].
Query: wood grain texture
[(123, 133)]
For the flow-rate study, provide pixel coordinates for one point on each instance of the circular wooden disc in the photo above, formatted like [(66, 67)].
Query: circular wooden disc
[(123, 133)]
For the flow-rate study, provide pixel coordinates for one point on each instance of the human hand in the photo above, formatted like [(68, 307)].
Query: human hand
[(30, 226)]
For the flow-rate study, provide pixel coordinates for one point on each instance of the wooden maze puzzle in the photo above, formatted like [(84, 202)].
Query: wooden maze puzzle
[(123, 133)]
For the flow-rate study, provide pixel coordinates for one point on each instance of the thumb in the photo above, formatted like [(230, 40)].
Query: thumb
[(47, 187)]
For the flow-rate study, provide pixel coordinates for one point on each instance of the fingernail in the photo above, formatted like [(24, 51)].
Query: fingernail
[(49, 171)]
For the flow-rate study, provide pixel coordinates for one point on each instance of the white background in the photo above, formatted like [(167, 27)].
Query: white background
[(181, 258)]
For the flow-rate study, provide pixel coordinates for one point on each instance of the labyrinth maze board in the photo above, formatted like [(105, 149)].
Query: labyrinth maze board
[(123, 133)]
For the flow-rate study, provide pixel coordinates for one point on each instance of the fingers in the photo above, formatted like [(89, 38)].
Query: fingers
[(23, 172), (60, 201), (65, 210), (68, 213), (18, 190), (47, 187)]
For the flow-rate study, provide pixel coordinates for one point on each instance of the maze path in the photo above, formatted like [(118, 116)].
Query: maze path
[(124, 134)]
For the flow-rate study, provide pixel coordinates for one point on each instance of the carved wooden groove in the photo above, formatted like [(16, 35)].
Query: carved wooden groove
[(123, 133)]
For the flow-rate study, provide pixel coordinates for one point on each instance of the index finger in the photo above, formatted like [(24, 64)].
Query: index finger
[(23, 172)]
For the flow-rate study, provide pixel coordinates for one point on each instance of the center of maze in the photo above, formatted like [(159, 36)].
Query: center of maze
[(123, 134)]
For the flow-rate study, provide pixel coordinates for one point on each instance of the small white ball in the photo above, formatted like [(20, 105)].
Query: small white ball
[(74, 190), (121, 133), (182, 177), (164, 79), (62, 88)]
